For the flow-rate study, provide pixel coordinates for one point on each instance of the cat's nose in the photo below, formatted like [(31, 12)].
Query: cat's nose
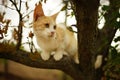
[(52, 33)]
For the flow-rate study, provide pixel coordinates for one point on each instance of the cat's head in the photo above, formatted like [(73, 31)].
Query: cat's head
[(44, 26)]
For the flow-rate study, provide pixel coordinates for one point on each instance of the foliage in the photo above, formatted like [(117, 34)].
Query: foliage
[(112, 68), (17, 30)]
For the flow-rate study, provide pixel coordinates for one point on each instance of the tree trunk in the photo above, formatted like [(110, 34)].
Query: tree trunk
[(87, 17)]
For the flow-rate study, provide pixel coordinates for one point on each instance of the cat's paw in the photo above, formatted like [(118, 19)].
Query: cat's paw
[(45, 56), (77, 61), (98, 61), (57, 57)]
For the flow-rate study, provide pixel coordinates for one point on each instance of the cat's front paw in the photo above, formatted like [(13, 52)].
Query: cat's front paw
[(45, 56), (98, 61), (57, 57)]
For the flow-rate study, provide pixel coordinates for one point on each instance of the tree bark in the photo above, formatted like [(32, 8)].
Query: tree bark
[(87, 17)]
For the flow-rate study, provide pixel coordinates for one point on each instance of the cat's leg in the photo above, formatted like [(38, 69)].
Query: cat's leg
[(59, 54), (45, 55), (76, 58)]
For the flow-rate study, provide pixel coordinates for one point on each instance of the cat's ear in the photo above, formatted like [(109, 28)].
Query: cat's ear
[(38, 11), (55, 16)]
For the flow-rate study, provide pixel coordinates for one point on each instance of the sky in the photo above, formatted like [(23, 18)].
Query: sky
[(50, 7)]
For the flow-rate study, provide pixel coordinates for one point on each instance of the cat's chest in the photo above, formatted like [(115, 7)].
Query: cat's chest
[(51, 44)]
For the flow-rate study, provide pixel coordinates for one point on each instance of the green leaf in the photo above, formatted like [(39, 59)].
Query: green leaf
[(64, 8), (117, 24), (117, 39), (105, 7), (72, 13), (113, 53)]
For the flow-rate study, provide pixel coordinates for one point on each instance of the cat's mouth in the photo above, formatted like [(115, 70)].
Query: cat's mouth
[(51, 35)]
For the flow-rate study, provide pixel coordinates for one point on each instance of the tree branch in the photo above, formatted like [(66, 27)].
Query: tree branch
[(20, 5), (107, 34), (7, 7), (27, 14), (20, 23), (14, 3), (34, 60)]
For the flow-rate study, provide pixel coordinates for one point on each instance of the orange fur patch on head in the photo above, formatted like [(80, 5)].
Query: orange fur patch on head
[(38, 11)]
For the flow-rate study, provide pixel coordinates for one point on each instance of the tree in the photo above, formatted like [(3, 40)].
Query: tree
[(91, 41)]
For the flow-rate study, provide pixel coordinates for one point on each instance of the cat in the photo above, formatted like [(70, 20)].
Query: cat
[(52, 37)]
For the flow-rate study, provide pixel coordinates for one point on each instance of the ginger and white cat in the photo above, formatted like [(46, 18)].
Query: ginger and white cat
[(52, 37)]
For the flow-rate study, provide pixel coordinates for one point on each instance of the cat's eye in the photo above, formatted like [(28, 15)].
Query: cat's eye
[(54, 26), (47, 25)]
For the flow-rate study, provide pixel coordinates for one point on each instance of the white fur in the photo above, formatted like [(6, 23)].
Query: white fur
[(98, 61)]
